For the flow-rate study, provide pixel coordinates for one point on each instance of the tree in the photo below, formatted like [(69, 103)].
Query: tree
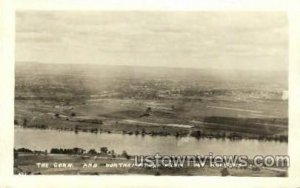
[(104, 150), (92, 152), (77, 151), (24, 122), (113, 153), (16, 122), (196, 134), (125, 154)]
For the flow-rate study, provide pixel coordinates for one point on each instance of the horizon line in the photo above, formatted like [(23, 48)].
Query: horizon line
[(155, 66)]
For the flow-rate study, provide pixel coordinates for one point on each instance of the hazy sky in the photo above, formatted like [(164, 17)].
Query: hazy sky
[(241, 40)]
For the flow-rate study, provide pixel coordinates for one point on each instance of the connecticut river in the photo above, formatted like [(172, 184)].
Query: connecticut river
[(36, 139)]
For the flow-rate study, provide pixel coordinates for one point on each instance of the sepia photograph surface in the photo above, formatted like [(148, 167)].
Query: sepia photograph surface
[(159, 93)]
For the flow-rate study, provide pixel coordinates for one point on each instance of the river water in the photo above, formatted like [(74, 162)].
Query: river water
[(37, 139)]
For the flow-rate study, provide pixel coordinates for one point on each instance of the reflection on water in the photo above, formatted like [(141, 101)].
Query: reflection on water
[(36, 139)]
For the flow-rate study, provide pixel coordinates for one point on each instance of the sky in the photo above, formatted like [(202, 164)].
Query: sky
[(209, 40)]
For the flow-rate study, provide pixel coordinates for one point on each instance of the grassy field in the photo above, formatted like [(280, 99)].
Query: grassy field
[(51, 164), (166, 117)]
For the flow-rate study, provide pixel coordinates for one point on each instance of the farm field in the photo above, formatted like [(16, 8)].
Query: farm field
[(147, 102), (152, 104)]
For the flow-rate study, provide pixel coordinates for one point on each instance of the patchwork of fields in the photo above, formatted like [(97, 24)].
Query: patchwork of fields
[(149, 101)]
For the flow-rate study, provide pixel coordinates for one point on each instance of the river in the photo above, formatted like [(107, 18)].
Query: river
[(37, 139)]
